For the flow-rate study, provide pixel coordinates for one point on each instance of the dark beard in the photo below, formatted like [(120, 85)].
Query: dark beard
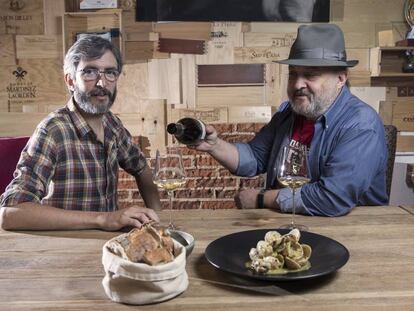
[(83, 99)]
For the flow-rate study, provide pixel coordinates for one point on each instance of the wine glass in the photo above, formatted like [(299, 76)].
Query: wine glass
[(169, 175), (293, 173)]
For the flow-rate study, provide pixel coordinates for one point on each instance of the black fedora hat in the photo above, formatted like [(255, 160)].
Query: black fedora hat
[(319, 45)]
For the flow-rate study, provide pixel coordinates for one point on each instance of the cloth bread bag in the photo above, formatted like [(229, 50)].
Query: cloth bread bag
[(138, 283)]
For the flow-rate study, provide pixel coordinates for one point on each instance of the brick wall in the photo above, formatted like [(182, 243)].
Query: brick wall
[(209, 185)]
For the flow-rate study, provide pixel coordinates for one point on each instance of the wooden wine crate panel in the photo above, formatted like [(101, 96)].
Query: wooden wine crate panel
[(182, 46), (21, 17), (19, 124), (254, 39), (230, 96), (277, 27), (259, 114), (32, 82), (370, 95), (164, 80), (53, 10), (237, 74), (225, 36), (141, 36), (130, 25), (398, 113), (132, 88), (372, 10), (188, 75), (358, 34), (260, 55), (207, 115), (359, 78), (405, 143), (362, 55), (90, 22), (142, 50), (184, 30), (150, 126), (274, 92), (7, 50), (34, 46)]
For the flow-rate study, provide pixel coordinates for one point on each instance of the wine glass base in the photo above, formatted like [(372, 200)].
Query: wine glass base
[(295, 226)]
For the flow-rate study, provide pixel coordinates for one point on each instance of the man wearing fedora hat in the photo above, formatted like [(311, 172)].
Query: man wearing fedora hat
[(345, 136)]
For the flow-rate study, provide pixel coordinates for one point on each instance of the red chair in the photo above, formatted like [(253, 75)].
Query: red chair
[(10, 149)]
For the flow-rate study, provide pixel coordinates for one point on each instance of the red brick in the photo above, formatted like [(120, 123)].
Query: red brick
[(224, 128), (123, 195), (256, 182), (249, 127), (194, 194), (218, 204), (203, 172), (206, 160), (180, 205), (129, 204), (222, 172), (123, 175), (225, 194), (127, 184)]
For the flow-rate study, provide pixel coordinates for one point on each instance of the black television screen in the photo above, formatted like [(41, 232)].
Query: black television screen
[(233, 10)]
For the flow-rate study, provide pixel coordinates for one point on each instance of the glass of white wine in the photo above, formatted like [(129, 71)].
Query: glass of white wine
[(169, 174), (293, 173)]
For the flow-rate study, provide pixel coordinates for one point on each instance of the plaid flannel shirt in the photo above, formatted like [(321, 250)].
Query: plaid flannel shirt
[(65, 166)]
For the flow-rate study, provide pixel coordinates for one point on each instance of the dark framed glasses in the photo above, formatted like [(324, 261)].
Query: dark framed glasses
[(93, 74)]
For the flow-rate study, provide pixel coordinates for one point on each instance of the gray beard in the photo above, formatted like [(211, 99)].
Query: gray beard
[(317, 107), (84, 103)]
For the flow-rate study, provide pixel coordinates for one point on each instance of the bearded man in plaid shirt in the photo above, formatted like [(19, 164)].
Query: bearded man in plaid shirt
[(67, 174)]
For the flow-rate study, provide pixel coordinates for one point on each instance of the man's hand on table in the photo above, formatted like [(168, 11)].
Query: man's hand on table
[(131, 216)]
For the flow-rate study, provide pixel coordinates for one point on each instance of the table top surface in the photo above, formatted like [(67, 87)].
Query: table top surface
[(62, 270)]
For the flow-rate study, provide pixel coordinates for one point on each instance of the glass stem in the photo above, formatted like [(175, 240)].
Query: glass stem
[(292, 223), (170, 197)]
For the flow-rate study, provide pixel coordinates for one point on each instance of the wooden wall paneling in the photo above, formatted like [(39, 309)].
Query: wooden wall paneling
[(141, 36), (357, 11), (83, 22), (188, 76), (405, 142), (32, 82), (236, 74), (182, 46), (150, 125), (53, 11), (385, 111), (132, 88), (358, 34), (403, 115), (251, 114), (22, 17), (184, 30), (142, 50), (359, 78), (33, 46), (230, 96), (7, 50), (164, 80), (19, 124), (130, 25), (370, 95), (225, 36), (269, 27), (272, 85), (207, 115), (254, 39), (260, 55)]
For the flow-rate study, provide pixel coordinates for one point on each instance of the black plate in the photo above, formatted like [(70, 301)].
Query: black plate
[(231, 252)]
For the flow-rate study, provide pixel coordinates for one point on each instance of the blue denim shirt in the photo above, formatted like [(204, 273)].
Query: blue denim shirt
[(347, 158)]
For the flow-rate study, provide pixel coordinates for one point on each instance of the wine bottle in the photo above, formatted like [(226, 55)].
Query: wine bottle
[(188, 131)]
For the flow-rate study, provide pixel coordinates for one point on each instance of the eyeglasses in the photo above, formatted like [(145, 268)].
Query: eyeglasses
[(93, 74)]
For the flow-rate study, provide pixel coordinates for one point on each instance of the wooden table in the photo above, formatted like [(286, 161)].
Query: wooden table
[(63, 271)]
